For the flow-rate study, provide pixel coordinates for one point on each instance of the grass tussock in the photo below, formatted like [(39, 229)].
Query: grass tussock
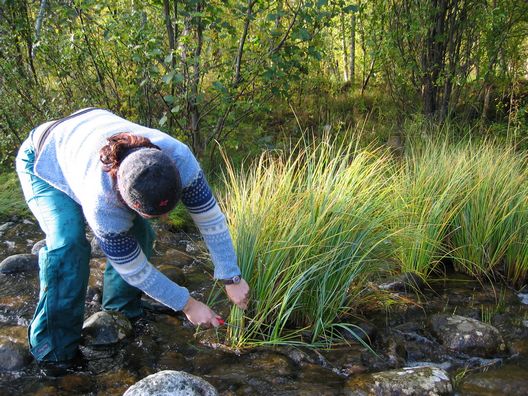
[(311, 227), (489, 230), (307, 227), (428, 191)]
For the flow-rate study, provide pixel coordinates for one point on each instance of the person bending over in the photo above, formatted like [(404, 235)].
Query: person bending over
[(115, 174)]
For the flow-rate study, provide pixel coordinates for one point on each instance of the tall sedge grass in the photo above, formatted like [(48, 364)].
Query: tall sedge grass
[(516, 254), (428, 191), (312, 226), (490, 228), (307, 227)]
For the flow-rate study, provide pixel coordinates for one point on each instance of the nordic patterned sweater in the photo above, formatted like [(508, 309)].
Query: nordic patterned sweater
[(69, 161)]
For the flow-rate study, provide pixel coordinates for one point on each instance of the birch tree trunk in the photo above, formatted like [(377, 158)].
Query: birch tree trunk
[(352, 72), (345, 49)]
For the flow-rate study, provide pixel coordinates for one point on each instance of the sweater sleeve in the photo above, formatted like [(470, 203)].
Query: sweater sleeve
[(211, 222), (126, 256)]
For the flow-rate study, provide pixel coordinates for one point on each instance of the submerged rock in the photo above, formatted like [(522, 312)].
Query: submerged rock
[(509, 380), (363, 331), (175, 274), (105, 328), (406, 282), (171, 383), (19, 263), (13, 355), (407, 381), (467, 335)]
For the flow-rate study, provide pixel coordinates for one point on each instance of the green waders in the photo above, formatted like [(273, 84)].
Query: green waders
[(55, 330)]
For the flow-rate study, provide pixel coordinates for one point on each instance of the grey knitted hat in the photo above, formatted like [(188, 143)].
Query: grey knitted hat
[(149, 182)]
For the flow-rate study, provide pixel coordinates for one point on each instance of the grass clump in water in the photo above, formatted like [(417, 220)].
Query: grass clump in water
[(307, 227), (429, 188), (313, 226), (490, 229)]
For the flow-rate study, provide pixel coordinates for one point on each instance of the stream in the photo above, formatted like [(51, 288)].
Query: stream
[(402, 336)]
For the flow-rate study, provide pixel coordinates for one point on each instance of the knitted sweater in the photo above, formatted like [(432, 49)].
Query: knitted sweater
[(69, 161)]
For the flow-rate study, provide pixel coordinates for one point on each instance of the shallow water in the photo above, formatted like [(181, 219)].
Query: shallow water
[(165, 340)]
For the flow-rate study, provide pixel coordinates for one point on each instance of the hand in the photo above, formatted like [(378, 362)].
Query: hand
[(200, 314), (239, 293)]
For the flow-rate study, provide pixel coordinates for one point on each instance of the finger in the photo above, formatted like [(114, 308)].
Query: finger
[(215, 322)]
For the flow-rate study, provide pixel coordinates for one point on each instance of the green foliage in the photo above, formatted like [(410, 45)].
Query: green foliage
[(209, 71), (180, 219), (12, 201)]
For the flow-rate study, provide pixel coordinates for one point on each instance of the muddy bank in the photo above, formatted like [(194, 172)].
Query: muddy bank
[(458, 337)]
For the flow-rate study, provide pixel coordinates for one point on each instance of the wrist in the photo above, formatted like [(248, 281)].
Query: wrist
[(188, 305), (234, 280)]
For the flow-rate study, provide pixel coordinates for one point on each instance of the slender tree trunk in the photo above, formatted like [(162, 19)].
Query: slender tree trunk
[(344, 46), (172, 45), (352, 72), (29, 42), (38, 24), (242, 42), (194, 25), (168, 25)]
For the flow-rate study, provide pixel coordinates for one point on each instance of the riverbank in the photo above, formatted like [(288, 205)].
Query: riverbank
[(489, 356)]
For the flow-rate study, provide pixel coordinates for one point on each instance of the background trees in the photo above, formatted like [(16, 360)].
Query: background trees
[(232, 70)]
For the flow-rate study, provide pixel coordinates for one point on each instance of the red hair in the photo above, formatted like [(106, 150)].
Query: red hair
[(117, 148)]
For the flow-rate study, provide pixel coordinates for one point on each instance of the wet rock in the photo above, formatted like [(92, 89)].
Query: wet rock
[(173, 360), (19, 263), (467, 335), (346, 360), (258, 372), (104, 328), (406, 282), (392, 354), (152, 305), (13, 355), (363, 331), (96, 249), (5, 226), (174, 383), (94, 294), (508, 380), (75, 384), (407, 381), (301, 355), (176, 257), (37, 246)]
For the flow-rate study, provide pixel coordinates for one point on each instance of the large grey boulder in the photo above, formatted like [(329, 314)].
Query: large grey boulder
[(105, 328), (13, 355), (19, 263), (171, 383), (467, 335), (408, 381)]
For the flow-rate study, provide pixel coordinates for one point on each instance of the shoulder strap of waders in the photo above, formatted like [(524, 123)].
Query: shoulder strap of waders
[(45, 134)]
